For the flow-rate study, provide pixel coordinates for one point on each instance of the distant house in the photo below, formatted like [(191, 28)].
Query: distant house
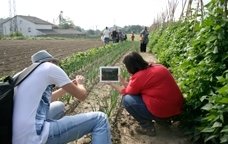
[(1, 25), (33, 26), (27, 25), (1, 29)]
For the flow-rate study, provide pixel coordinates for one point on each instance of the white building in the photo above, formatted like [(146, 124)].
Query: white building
[(33, 26), (1, 27), (27, 25)]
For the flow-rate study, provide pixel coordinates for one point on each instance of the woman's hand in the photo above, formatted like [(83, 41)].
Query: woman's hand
[(123, 81), (116, 87)]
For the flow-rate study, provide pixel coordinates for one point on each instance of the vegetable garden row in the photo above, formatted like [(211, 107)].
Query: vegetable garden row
[(88, 63)]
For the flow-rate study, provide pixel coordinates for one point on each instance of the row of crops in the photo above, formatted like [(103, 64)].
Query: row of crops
[(196, 51), (88, 63)]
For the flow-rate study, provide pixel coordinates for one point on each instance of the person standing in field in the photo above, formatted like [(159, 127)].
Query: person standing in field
[(106, 35), (144, 39), (61, 17), (114, 35), (151, 93), (132, 36), (102, 39), (33, 120)]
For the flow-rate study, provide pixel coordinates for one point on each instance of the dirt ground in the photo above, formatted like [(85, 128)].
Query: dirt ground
[(123, 125), (15, 55)]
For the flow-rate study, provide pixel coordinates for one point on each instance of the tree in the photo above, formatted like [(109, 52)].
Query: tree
[(78, 28), (90, 32), (66, 24), (132, 28)]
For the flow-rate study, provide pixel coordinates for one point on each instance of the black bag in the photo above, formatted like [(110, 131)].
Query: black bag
[(6, 102)]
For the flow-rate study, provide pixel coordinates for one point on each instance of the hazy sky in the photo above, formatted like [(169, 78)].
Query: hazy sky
[(90, 14)]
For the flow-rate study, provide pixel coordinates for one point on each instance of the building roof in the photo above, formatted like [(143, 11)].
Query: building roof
[(35, 20), (32, 19), (3, 20)]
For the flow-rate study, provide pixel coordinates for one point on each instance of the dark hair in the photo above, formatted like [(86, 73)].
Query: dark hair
[(134, 62)]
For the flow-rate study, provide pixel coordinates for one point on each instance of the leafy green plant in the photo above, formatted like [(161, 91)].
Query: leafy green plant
[(197, 55)]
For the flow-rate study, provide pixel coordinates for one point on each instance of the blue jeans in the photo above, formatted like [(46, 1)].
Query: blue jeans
[(70, 128), (56, 110), (137, 108), (106, 40)]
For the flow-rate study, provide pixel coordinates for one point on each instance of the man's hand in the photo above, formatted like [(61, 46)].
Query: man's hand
[(79, 79)]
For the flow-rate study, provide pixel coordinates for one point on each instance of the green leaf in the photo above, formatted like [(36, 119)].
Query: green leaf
[(220, 79), (208, 130), (215, 51), (208, 22), (224, 90), (211, 117), (203, 98), (217, 27), (210, 137), (207, 107), (225, 129), (217, 124), (212, 38), (224, 100), (224, 139)]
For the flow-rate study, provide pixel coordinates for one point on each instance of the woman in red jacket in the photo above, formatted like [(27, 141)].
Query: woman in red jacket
[(151, 93)]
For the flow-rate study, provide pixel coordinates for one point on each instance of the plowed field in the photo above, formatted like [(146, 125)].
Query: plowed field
[(15, 55)]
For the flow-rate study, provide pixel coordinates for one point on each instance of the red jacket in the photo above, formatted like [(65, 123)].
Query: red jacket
[(158, 89)]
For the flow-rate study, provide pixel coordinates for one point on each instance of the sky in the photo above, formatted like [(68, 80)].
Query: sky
[(89, 14)]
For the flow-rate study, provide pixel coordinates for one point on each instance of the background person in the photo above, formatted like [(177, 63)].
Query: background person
[(132, 36), (34, 123), (144, 39), (102, 39), (106, 34), (151, 93), (114, 35)]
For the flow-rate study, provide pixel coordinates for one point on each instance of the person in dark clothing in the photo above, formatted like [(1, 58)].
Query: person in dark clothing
[(132, 36), (144, 39), (125, 36), (114, 36)]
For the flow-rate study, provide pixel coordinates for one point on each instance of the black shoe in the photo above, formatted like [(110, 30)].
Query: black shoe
[(164, 123), (146, 131)]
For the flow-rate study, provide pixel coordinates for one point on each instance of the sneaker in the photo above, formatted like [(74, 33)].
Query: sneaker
[(146, 131)]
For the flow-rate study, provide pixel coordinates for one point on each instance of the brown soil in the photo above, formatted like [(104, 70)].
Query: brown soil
[(15, 54)]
